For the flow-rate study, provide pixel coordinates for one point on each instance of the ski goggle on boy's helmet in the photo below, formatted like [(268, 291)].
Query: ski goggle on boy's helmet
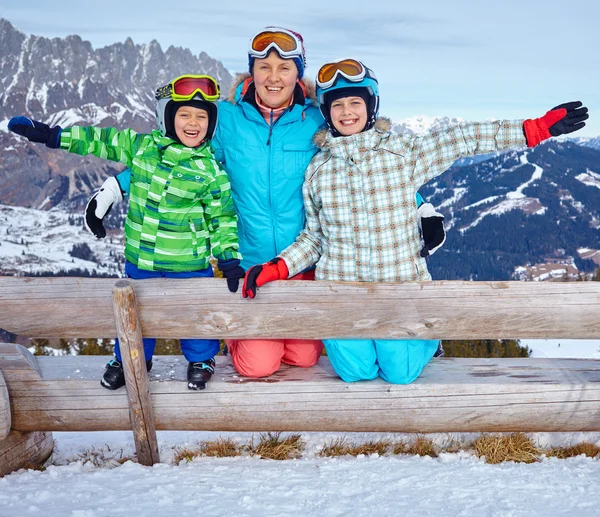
[(195, 90), (288, 44), (348, 73)]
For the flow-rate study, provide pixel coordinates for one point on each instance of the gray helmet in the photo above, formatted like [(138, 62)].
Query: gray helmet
[(166, 108)]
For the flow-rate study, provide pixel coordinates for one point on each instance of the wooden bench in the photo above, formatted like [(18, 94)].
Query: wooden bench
[(44, 394)]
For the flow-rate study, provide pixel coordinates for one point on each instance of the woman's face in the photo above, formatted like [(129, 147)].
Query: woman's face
[(349, 115), (275, 80)]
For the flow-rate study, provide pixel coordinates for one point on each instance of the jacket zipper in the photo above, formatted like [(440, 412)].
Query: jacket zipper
[(270, 128)]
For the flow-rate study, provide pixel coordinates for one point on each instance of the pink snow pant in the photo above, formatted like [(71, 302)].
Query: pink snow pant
[(263, 357)]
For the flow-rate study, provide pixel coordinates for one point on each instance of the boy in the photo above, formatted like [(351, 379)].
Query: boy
[(361, 221), (181, 210)]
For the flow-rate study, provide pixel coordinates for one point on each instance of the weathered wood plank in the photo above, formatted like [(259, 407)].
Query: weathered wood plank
[(45, 307), (22, 450), (4, 409), (18, 362), (136, 378), (452, 395)]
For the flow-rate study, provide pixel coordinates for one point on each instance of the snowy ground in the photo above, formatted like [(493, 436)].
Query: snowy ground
[(564, 348), (451, 485)]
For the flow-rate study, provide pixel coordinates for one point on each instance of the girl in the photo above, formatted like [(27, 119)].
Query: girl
[(361, 219)]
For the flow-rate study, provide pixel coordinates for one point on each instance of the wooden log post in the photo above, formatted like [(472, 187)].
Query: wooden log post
[(19, 449), (136, 376)]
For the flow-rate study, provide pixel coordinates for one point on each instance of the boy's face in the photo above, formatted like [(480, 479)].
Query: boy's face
[(349, 115), (191, 125), (275, 80)]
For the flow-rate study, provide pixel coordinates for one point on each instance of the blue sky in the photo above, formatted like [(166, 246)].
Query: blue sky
[(469, 59)]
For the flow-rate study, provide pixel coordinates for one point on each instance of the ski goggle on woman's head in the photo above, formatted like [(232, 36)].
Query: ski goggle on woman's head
[(351, 69), (185, 87), (286, 43)]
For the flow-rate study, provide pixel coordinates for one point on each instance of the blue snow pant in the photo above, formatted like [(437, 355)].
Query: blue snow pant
[(194, 350), (399, 361)]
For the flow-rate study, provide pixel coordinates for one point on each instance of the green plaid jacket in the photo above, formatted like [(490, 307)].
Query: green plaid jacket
[(359, 197), (180, 209)]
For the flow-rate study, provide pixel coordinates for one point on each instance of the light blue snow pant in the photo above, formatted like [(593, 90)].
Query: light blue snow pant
[(399, 361), (194, 350)]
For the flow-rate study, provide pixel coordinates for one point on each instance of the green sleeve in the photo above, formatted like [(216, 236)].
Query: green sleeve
[(107, 143)]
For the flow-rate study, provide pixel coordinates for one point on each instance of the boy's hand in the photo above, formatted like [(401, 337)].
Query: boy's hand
[(233, 272), (258, 276), (100, 205), (432, 229), (36, 131), (561, 120)]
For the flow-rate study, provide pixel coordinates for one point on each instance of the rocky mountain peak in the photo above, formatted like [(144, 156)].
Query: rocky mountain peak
[(66, 81)]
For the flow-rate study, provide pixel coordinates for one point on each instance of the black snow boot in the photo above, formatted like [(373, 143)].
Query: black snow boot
[(114, 376), (199, 373)]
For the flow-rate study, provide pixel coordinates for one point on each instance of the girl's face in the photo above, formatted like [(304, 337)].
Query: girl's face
[(191, 125), (349, 115), (275, 80)]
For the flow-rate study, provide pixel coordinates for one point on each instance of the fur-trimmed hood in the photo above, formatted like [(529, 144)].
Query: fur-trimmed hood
[(309, 87), (323, 138)]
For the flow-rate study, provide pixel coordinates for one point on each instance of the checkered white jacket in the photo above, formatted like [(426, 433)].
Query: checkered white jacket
[(359, 197)]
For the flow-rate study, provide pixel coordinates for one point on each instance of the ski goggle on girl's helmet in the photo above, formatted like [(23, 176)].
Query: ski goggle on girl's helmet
[(203, 89), (348, 73)]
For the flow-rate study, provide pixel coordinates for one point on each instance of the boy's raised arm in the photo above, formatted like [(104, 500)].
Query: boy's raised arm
[(107, 143)]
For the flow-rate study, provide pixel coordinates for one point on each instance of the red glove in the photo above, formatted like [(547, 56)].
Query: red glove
[(258, 276), (560, 120)]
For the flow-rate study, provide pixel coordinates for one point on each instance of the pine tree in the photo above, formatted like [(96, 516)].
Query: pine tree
[(485, 348), (41, 346)]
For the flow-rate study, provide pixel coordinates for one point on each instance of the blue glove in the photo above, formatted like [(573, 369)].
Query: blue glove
[(36, 131), (233, 272)]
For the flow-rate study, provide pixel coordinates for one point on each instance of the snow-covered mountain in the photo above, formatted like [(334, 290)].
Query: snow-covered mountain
[(594, 143), (66, 82), (531, 213), (422, 124), (533, 208)]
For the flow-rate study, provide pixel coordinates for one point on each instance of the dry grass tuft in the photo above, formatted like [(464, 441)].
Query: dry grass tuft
[(336, 447), (513, 447), (591, 450), (220, 448), (400, 447), (273, 447), (341, 447), (380, 447), (422, 447), (185, 454)]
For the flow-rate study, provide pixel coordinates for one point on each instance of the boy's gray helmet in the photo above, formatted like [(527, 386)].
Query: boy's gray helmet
[(166, 108)]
